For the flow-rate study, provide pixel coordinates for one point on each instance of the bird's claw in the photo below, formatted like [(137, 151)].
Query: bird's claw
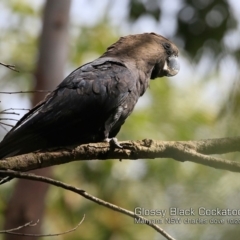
[(113, 142)]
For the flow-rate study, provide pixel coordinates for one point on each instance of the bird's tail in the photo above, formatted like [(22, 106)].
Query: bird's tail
[(6, 150), (12, 146), (9, 148), (17, 143)]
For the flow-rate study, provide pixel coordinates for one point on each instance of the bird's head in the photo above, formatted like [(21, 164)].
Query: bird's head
[(148, 52), (167, 64)]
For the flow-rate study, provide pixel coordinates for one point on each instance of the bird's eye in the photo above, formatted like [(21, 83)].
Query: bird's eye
[(168, 48), (166, 45)]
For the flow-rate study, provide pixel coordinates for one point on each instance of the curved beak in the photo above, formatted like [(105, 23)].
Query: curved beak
[(171, 66)]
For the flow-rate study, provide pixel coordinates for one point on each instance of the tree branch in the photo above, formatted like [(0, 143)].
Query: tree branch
[(30, 91), (90, 197), (193, 151), (12, 67), (31, 224)]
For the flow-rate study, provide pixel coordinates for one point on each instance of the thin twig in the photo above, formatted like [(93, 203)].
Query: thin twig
[(19, 109), (3, 127), (5, 111), (29, 224), (11, 119), (11, 113), (88, 196), (6, 124), (12, 67), (11, 231), (30, 91)]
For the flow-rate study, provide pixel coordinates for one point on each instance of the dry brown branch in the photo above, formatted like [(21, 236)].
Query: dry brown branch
[(30, 224), (193, 151), (90, 197)]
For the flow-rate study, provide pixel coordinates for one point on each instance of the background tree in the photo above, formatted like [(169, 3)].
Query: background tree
[(28, 199)]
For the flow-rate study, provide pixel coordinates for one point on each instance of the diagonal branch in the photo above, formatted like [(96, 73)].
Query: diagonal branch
[(193, 151), (89, 197)]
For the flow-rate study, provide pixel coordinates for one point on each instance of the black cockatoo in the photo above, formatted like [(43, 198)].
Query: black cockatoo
[(93, 102)]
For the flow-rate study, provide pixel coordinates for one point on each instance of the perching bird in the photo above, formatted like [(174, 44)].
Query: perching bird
[(93, 102)]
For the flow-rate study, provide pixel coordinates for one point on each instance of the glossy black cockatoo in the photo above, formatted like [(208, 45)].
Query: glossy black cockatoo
[(93, 102)]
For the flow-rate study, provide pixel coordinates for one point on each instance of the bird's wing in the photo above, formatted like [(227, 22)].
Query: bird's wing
[(76, 111)]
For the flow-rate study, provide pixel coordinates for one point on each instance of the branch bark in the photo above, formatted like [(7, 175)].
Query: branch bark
[(193, 151)]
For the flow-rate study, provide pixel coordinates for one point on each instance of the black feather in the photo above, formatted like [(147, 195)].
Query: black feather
[(93, 102)]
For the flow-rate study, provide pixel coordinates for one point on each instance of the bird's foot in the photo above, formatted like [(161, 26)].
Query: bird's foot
[(113, 141)]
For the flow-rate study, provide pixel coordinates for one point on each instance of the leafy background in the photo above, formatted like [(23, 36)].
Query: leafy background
[(200, 102)]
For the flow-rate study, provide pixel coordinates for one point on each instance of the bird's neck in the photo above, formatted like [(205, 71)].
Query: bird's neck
[(141, 69)]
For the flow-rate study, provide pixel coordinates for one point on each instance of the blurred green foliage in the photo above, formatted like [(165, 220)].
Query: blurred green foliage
[(138, 9), (166, 112), (206, 22), (200, 24)]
